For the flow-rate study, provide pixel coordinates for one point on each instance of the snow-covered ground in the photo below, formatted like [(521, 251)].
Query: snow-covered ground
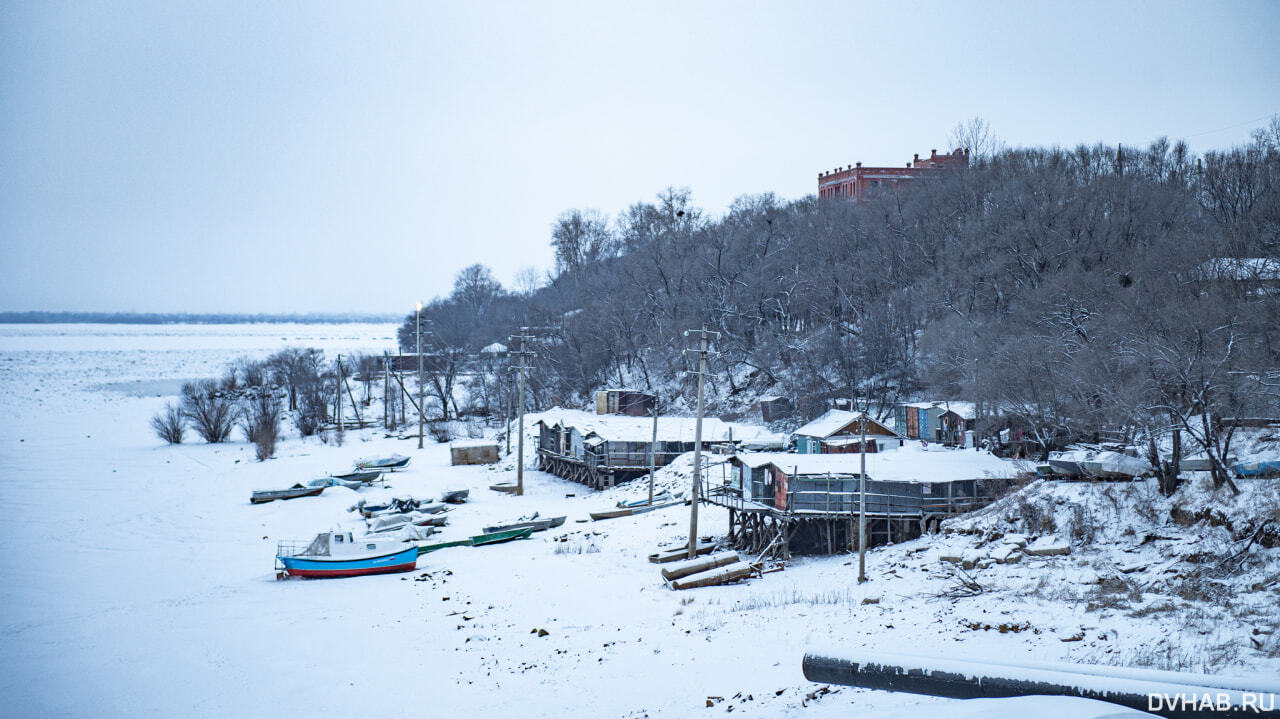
[(138, 578)]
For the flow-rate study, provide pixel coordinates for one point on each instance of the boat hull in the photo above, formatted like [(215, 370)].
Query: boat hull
[(1066, 467), (537, 525), (272, 495), (404, 560), (479, 540)]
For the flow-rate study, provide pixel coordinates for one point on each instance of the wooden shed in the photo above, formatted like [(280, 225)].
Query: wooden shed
[(946, 422), (473, 452), (631, 402), (773, 409), (603, 450), (842, 424)]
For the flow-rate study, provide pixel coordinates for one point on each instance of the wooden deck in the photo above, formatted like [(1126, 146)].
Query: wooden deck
[(592, 475), (766, 530)]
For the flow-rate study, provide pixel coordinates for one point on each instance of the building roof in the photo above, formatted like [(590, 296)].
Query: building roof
[(966, 410), (834, 421), (1243, 268), (908, 464)]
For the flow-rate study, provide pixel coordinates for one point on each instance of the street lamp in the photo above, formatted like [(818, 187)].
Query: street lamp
[(418, 325)]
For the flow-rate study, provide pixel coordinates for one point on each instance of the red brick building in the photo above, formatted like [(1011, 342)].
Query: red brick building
[(857, 181)]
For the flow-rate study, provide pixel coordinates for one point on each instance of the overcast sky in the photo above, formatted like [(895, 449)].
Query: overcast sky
[(314, 156)]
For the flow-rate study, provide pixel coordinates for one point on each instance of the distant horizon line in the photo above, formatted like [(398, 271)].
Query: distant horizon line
[(211, 318)]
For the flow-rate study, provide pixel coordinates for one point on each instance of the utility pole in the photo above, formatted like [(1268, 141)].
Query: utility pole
[(704, 341), (862, 500), (338, 399), (508, 418), (653, 450), (523, 355), (417, 322)]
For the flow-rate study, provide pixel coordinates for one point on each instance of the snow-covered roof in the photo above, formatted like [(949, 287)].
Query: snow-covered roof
[(1243, 268), (831, 422), (966, 410), (496, 348), (622, 428), (464, 443), (907, 464)]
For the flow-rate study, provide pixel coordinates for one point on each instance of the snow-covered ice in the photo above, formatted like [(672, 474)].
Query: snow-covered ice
[(139, 578)]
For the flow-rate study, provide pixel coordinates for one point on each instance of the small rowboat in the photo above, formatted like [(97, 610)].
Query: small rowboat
[(457, 496), (630, 511), (333, 554), (537, 525), (658, 498), (335, 482), (263, 496), (389, 464), (361, 476), (479, 540)]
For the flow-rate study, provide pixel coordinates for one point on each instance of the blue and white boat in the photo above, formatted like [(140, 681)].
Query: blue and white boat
[(1261, 468), (339, 554)]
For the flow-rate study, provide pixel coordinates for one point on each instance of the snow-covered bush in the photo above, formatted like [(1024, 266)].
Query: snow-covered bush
[(260, 418), (312, 409), (169, 424)]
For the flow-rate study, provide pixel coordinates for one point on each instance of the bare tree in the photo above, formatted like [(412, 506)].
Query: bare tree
[(976, 136), (581, 238)]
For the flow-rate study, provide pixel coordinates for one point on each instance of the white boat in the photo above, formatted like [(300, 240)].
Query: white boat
[(340, 554), (1115, 465)]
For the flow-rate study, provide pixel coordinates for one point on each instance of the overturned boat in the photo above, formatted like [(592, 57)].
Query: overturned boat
[(335, 482), (388, 464), (359, 476)]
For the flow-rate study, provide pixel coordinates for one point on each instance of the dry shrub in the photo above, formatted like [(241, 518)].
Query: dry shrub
[(169, 424), (209, 410)]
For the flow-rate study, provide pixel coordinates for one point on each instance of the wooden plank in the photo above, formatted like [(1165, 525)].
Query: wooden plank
[(674, 555)]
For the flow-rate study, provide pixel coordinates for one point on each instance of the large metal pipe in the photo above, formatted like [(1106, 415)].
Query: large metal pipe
[(1166, 694)]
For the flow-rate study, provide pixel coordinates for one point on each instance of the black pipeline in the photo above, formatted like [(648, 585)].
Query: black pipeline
[(1167, 694)]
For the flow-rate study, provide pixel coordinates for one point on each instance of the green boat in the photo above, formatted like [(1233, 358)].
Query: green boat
[(479, 540)]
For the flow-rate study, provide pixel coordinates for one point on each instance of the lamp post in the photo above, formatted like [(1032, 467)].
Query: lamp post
[(418, 326)]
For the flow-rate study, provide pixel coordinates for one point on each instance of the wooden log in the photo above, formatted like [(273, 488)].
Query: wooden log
[(721, 575), (673, 555), (694, 566)]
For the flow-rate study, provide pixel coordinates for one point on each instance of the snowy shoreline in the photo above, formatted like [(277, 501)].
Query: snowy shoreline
[(148, 585)]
